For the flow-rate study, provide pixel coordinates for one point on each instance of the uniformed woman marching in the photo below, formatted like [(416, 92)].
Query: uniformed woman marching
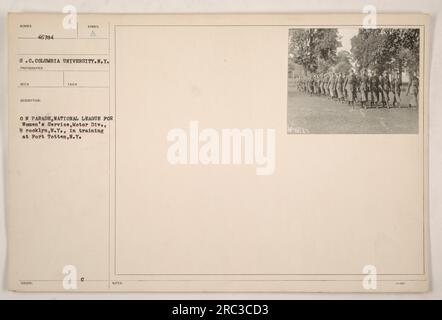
[(363, 89), (396, 85), (413, 89), (350, 86)]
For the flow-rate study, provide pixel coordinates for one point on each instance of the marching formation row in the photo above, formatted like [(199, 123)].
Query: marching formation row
[(367, 88)]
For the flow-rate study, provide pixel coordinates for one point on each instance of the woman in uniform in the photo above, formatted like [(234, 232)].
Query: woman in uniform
[(310, 85), (339, 87), (386, 87), (363, 89), (350, 87), (331, 85), (396, 85), (374, 88), (413, 89), (381, 91)]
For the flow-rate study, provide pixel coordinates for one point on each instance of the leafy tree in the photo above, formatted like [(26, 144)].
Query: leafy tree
[(343, 64), (313, 48), (386, 49), (323, 66), (404, 48), (367, 49)]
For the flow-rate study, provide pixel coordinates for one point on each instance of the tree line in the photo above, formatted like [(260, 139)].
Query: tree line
[(382, 49)]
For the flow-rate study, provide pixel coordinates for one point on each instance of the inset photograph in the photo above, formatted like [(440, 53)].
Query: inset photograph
[(353, 80)]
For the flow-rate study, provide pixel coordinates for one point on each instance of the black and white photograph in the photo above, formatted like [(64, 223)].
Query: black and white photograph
[(220, 159), (353, 80)]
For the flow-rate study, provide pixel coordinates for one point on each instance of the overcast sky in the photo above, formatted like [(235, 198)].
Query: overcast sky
[(347, 34)]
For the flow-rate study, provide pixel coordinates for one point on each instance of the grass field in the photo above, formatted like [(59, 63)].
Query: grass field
[(313, 114)]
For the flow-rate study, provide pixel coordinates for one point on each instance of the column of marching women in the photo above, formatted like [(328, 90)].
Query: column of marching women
[(369, 88)]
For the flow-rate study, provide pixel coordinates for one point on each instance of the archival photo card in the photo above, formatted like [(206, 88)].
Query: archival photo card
[(218, 153), (354, 80)]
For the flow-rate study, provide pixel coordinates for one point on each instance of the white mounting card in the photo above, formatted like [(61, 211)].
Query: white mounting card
[(218, 152)]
